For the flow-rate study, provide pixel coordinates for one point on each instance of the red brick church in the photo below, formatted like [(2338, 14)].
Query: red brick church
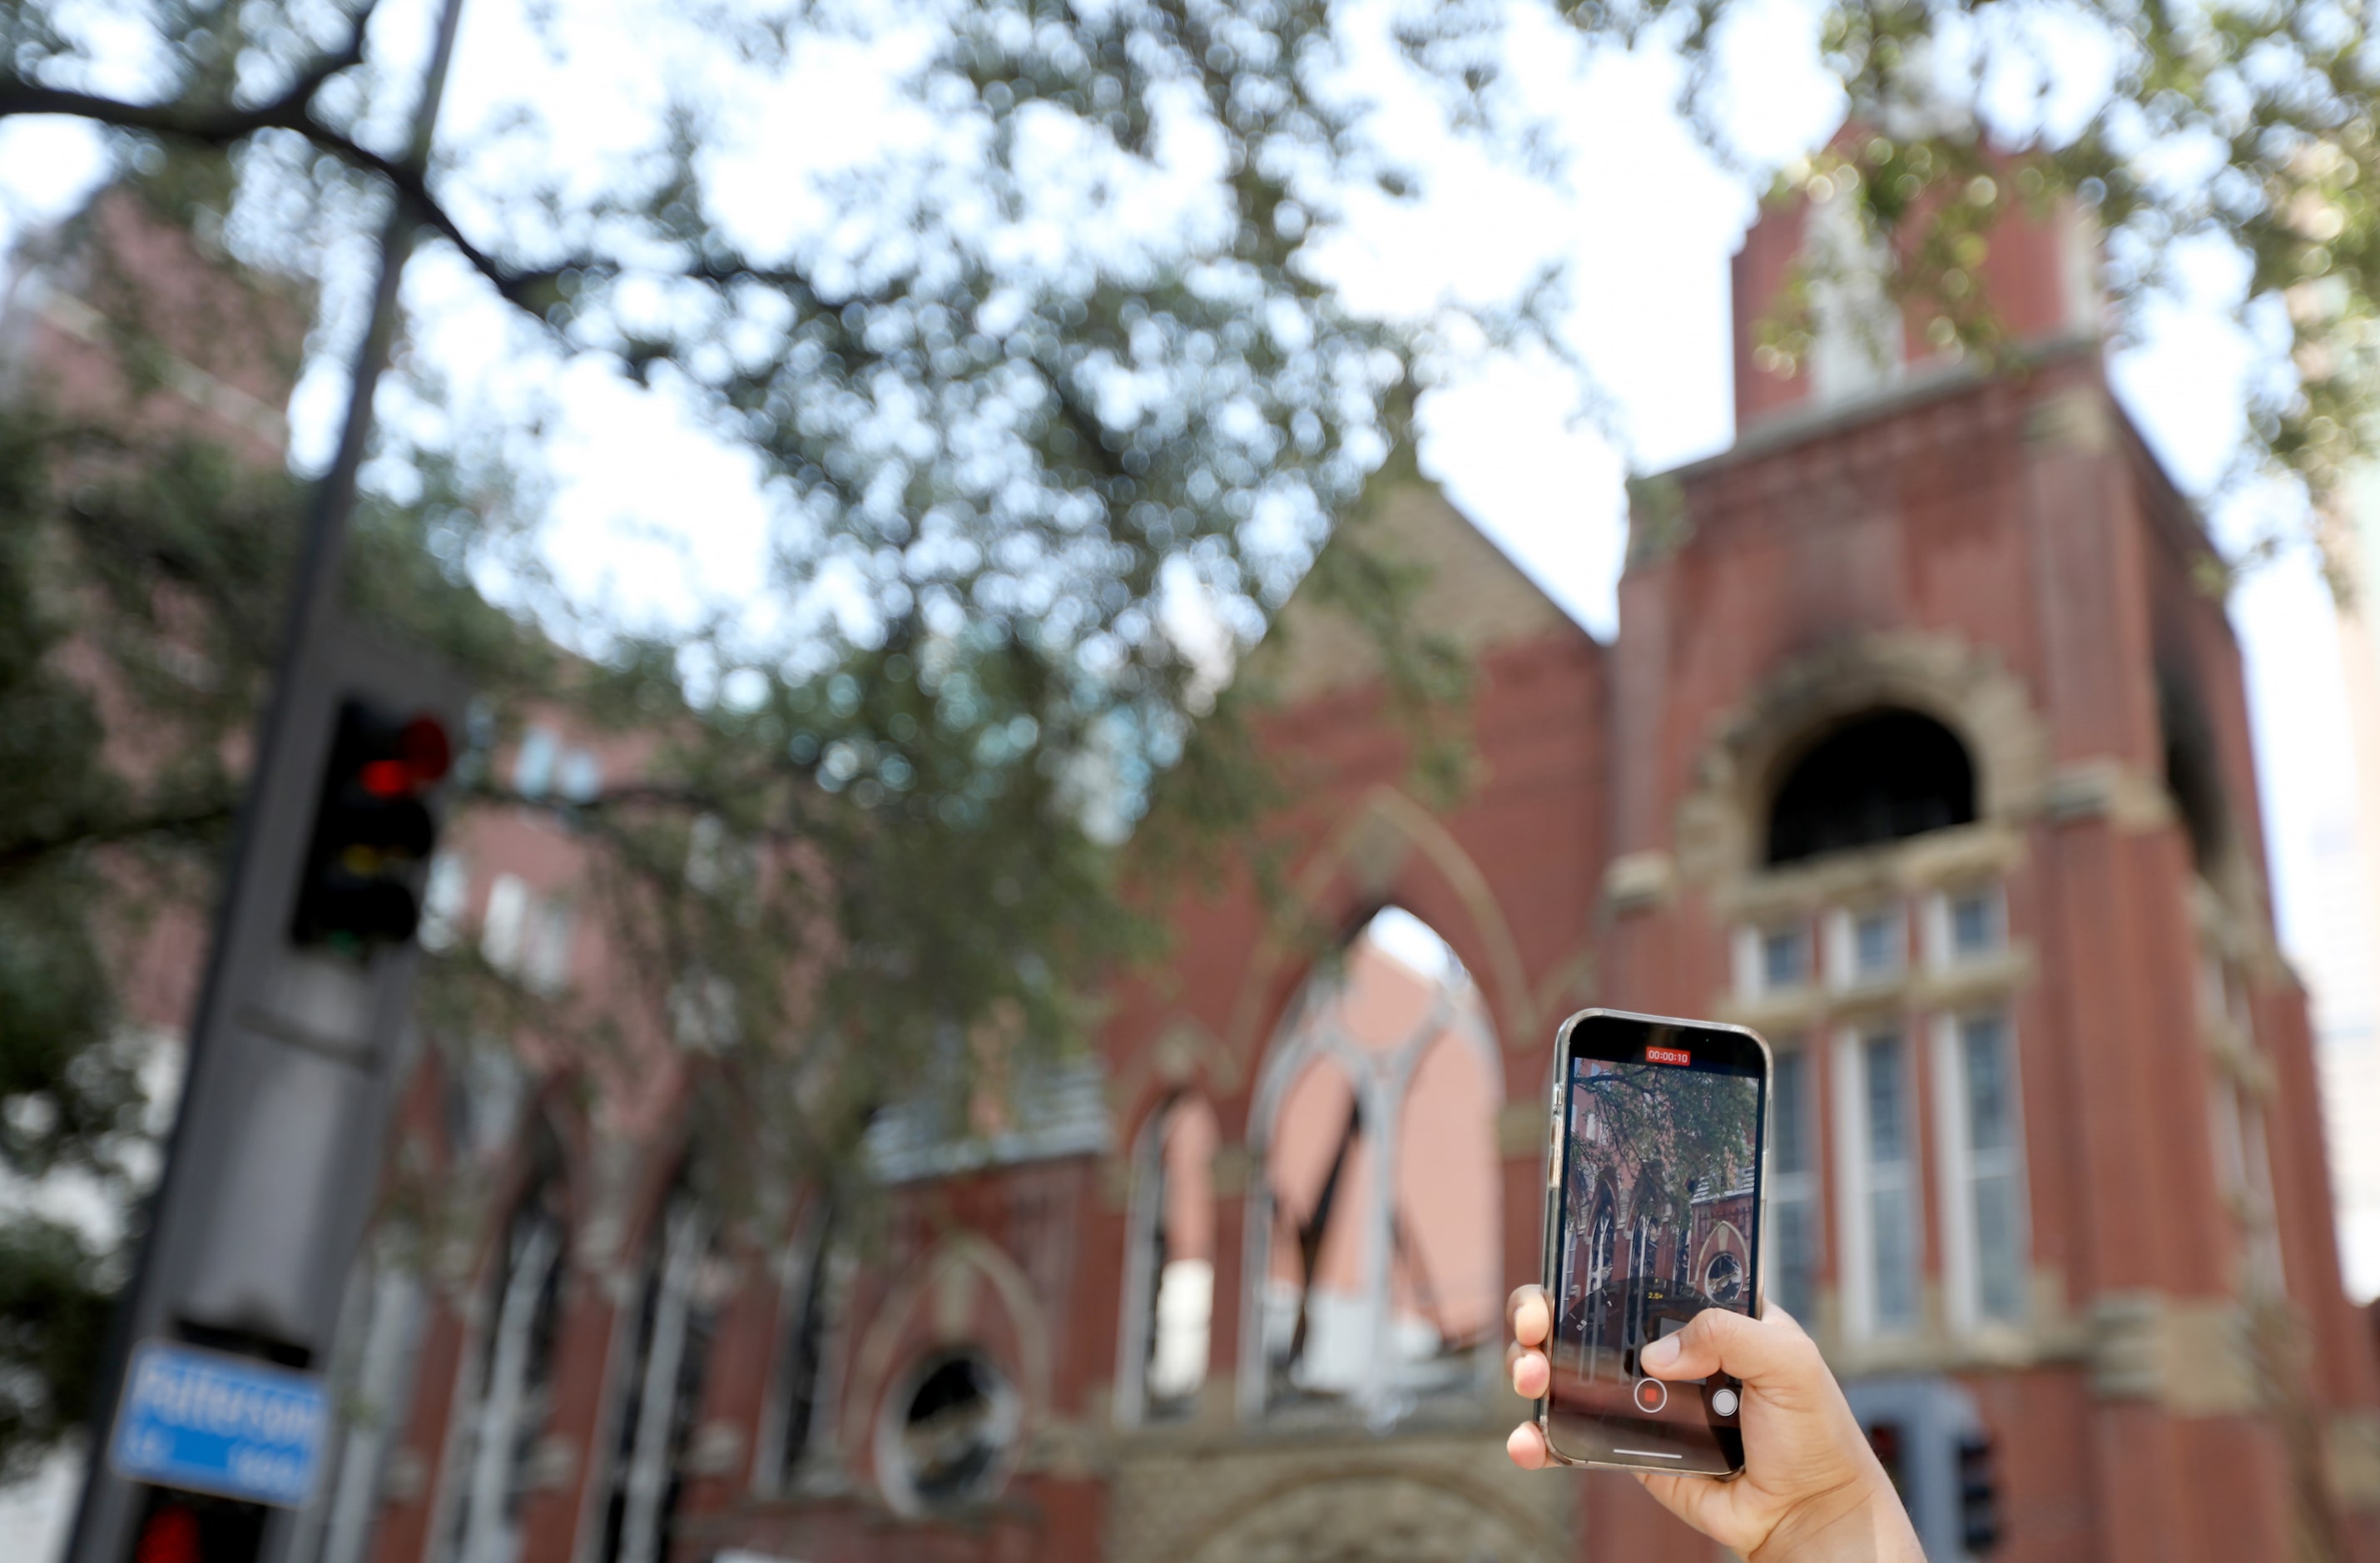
[(1922, 747)]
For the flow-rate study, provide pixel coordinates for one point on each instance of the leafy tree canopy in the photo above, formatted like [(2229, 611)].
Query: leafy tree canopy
[(1038, 393)]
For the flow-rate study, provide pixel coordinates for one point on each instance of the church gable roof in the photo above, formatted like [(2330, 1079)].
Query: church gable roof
[(1473, 595)]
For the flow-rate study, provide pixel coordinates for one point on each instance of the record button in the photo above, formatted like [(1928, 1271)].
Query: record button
[(1651, 1395)]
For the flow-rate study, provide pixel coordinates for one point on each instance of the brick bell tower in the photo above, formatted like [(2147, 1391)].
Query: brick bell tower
[(1929, 757)]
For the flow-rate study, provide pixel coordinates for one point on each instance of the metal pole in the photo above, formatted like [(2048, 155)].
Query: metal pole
[(102, 1513), (315, 589)]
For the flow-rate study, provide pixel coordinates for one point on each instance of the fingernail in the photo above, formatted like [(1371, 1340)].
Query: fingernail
[(1661, 1353)]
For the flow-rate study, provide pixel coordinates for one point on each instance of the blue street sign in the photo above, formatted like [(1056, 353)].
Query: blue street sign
[(216, 1424)]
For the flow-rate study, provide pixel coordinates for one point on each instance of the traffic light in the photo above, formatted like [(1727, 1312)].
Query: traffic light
[(171, 1535), (190, 1527), (361, 884), (1979, 1518)]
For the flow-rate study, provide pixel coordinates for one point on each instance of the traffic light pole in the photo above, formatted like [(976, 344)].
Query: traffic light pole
[(273, 1161)]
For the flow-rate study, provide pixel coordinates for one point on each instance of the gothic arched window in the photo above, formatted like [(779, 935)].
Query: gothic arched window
[(658, 1396), (1882, 776), (1374, 1252), (511, 1403), (801, 1426), (1169, 1287)]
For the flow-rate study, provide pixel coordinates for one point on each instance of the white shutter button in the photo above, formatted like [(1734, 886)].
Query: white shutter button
[(1724, 1401)]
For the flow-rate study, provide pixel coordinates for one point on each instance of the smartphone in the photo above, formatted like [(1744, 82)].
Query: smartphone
[(1654, 1212)]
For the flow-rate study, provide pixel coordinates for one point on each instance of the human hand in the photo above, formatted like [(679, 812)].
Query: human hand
[(1811, 1491)]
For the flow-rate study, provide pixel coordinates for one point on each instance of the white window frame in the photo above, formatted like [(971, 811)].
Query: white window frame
[(445, 894), (377, 1389), (1752, 958), (819, 1252), (1941, 948), (1859, 345), (1855, 1230), (504, 923), (1960, 1165), (578, 776), (548, 944), (1843, 974), (1803, 1187), (2243, 1162), (533, 762), (489, 1418), (648, 1386)]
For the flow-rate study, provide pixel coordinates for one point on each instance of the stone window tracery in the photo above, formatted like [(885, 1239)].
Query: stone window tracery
[(800, 1427), (1375, 1270), (506, 1415), (658, 1397), (948, 1436)]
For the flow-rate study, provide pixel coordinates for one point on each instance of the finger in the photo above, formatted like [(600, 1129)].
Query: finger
[(1691, 1498), (1527, 1447), (1721, 1340), (1531, 1375), (1528, 1317)]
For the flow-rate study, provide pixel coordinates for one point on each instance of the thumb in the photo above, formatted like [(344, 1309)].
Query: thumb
[(1768, 1353)]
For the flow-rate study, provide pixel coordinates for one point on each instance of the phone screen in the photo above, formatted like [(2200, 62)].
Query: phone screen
[(1659, 1219)]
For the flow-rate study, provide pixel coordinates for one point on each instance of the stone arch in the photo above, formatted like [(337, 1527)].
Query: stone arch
[(1721, 821), (1376, 1513), (1390, 851), (946, 1277), (1182, 1055)]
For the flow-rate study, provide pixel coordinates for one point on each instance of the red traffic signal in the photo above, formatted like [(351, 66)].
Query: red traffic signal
[(170, 1536), (361, 885)]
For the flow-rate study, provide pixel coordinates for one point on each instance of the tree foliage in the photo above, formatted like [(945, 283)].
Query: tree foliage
[(1034, 395)]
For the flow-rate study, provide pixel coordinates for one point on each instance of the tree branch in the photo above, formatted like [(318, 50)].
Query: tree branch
[(533, 289), (291, 110), (81, 831)]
